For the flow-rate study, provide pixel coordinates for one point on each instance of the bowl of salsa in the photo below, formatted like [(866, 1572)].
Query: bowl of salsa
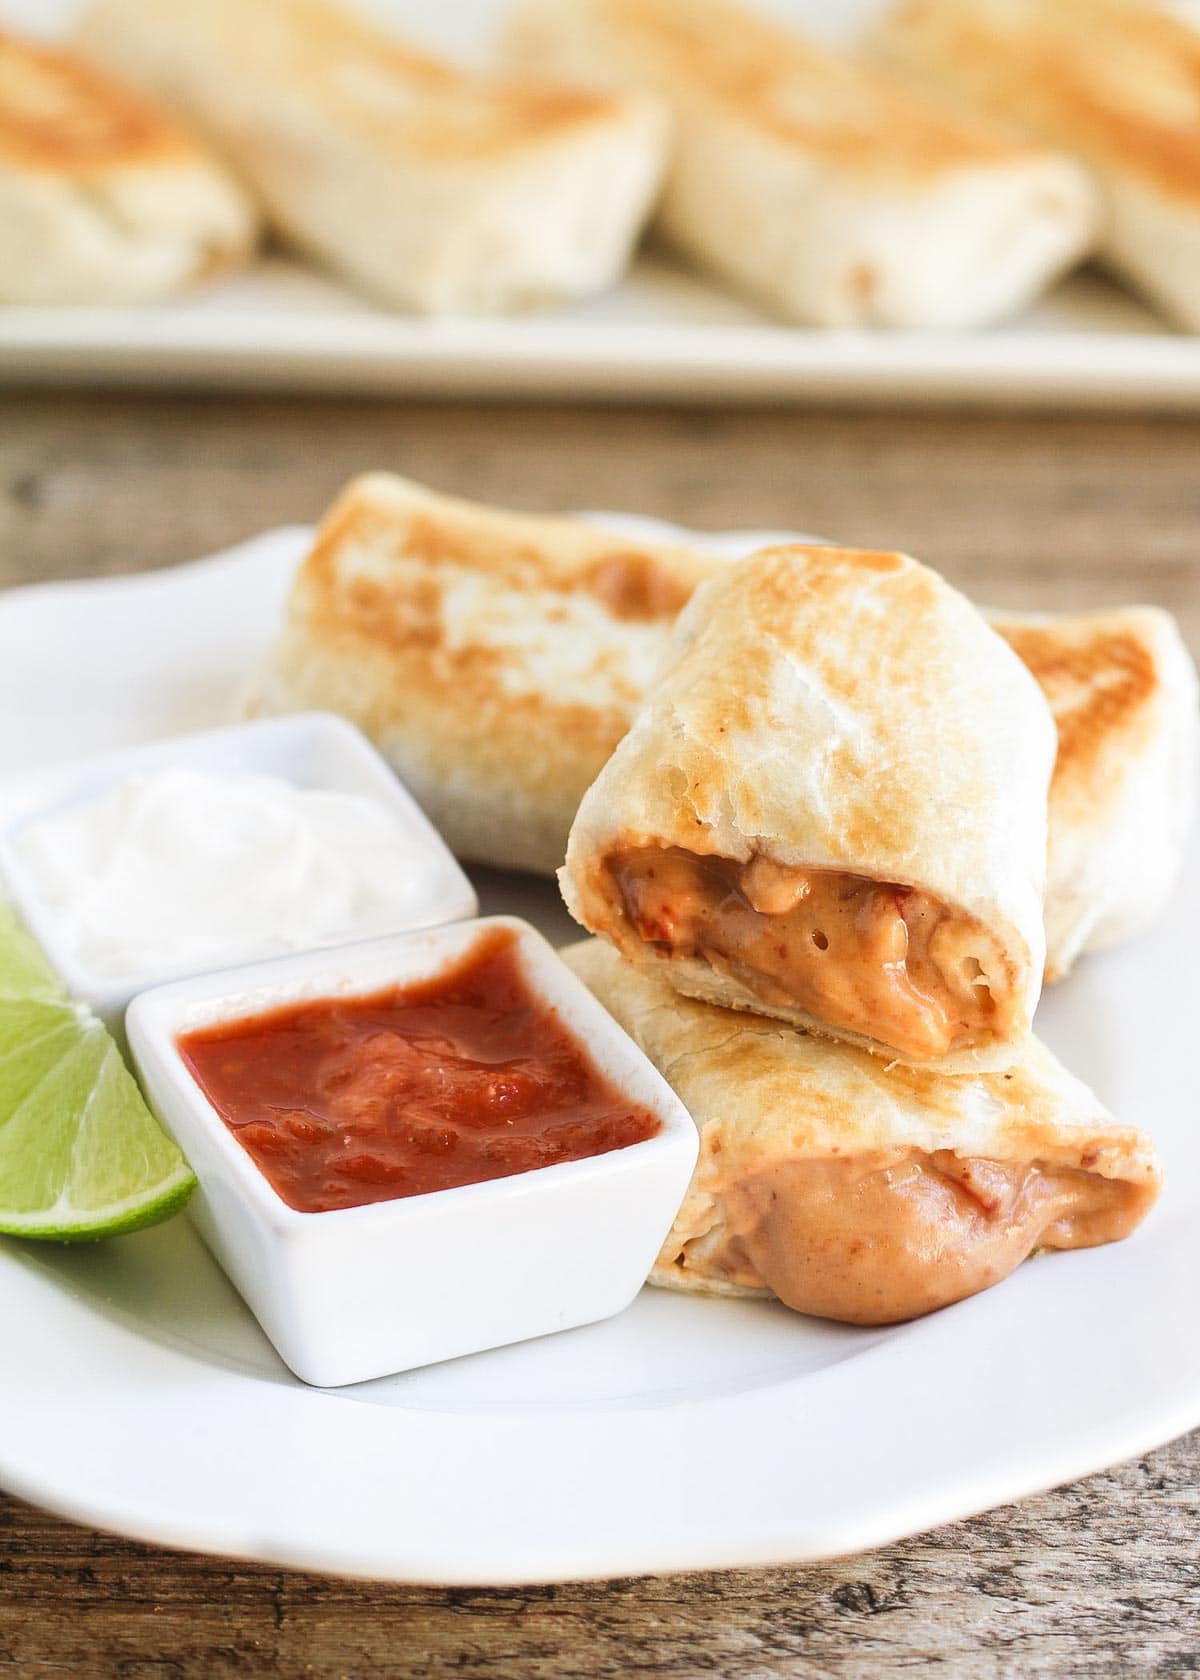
[(415, 1147)]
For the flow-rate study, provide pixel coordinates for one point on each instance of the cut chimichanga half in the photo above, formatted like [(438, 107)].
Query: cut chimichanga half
[(103, 199), (1114, 82), (811, 181), (494, 658), (832, 809), (435, 188), (1123, 694), (864, 1193)]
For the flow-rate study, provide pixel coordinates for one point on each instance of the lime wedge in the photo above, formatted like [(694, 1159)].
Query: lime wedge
[(81, 1156), (24, 971)]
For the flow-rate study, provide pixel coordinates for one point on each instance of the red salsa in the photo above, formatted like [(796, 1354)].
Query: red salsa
[(459, 1079)]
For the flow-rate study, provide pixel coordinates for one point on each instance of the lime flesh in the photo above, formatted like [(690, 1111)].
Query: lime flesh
[(24, 971), (81, 1156)]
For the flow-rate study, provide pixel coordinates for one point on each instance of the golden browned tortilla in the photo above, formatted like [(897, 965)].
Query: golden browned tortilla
[(437, 187), (104, 198), (1113, 82), (831, 809), (805, 177), (498, 658), (861, 1192)]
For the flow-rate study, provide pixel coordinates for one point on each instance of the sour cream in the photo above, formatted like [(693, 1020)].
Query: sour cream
[(182, 869)]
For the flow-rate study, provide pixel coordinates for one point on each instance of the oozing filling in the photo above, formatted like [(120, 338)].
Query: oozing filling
[(863, 956), (886, 1236)]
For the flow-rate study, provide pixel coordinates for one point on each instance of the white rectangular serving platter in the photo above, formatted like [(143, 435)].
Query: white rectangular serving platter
[(686, 1433), (662, 334)]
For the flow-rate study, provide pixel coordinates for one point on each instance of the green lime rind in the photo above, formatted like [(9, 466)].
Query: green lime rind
[(81, 1156), (116, 1221)]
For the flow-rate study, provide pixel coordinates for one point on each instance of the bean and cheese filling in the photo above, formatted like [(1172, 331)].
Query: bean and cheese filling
[(887, 962), (888, 1235)]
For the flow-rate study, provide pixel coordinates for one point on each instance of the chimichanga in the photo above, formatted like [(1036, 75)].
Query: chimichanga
[(494, 658), (1122, 690), (103, 199), (498, 689), (831, 809), (815, 183), (1115, 82), (864, 1193), (435, 188)]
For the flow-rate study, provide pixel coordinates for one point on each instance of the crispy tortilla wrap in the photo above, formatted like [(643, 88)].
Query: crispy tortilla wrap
[(433, 187), (831, 809), (811, 181), (494, 658), (104, 198), (1122, 691), (497, 659), (864, 1193), (1113, 82)]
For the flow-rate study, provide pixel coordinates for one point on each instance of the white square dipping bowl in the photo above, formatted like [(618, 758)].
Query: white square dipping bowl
[(360, 1292), (310, 750)]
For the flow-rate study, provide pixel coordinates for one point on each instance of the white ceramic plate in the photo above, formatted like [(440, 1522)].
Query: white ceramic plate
[(662, 333), (140, 1395)]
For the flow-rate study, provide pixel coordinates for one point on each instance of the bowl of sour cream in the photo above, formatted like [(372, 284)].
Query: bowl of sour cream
[(206, 851)]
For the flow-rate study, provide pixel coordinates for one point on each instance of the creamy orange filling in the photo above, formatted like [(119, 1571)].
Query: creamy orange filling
[(884, 961), (889, 1235)]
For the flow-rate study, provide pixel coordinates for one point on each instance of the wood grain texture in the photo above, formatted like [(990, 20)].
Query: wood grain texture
[(1022, 511), (1098, 1580), (1101, 1579)]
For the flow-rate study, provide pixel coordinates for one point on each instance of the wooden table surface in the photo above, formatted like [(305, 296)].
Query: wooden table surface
[(1098, 1579)]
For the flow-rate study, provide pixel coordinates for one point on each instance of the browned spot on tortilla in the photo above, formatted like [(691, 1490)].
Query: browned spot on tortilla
[(56, 112), (1039, 71), (415, 102), (441, 542), (391, 631), (800, 94), (634, 585), (862, 283), (1096, 687), (533, 552)]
